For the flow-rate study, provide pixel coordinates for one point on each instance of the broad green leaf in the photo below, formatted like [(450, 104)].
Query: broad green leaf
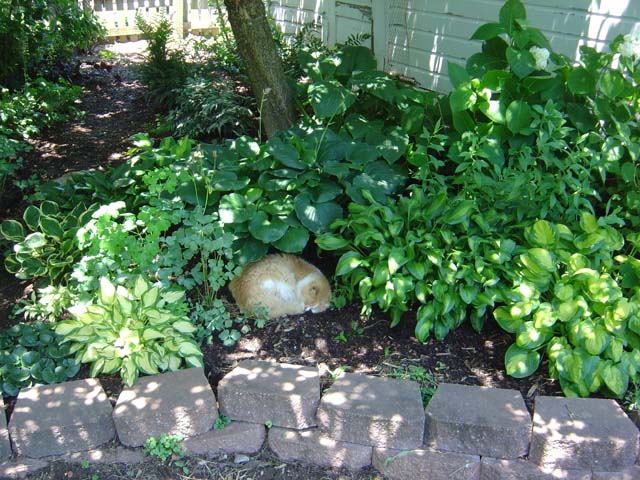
[(593, 337), (107, 291), (511, 13), (265, 229), (425, 322), (284, 153), (329, 99), (412, 120), (35, 241), (140, 287), (12, 231), (150, 297), (234, 208), (396, 259), (460, 213), (531, 337), (152, 334), (507, 322), (521, 62), (189, 349), (581, 82), (613, 84), (541, 234), (184, 326), (518, 117), (143, 361), (31, 217), (616, 378), (588, 222), (293, 241), (494, 110), (316, 216), (328, 241), (462, 98), (457, 74), (417, 269), (543, 258), (520, 362), (348, 261), (488, 31)]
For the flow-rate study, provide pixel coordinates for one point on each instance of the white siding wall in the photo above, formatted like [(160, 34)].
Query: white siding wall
[(421, 36)]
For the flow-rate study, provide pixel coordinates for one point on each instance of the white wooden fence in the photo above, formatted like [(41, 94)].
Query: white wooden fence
[(118, 16)]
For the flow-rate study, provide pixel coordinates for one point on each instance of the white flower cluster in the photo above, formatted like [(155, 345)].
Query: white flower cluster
[(541, 56), (630, 47)]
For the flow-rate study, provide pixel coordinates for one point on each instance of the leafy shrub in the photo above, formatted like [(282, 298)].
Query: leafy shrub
[(30, 354), (209, 106), (38, 34), (51, 249), (133, 329), (165, 70), (570, 301)]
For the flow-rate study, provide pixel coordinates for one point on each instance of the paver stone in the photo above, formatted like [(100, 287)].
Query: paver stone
[(478, 421), (63, 418), (237, 437), (281, 394), (179, 402), (312, 446), (376, 411), (499, 469), (425, 464), (582, 433)]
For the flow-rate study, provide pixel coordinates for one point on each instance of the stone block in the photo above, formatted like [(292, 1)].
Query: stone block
[(237, 437), (582, 434), (282, 394), (498, 469), (63, 418), (312, 446), (425, 463), (20, 468), (179, 402), (478, 421), (376, 411), (631, 473), (109, 455), (5, 444)]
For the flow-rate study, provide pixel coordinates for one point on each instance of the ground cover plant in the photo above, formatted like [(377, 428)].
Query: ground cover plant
[(511, 200)]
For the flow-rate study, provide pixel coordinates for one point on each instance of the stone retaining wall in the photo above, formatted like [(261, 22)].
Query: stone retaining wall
[(464, 433)]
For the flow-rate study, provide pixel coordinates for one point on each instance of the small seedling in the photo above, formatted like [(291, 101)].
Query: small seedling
[(85, 464), (221, 422), (341, 337), (165, 448), (268, 424)]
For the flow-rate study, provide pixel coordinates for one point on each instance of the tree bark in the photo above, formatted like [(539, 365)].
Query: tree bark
[(257, 48)]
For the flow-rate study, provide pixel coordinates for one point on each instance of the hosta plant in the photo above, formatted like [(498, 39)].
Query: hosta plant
[(133, 329), (30, 354), (569, 302)]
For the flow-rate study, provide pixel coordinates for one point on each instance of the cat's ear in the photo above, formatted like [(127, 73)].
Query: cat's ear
[(314, 290)]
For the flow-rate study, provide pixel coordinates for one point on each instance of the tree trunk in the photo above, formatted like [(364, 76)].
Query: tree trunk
[(257, 48)]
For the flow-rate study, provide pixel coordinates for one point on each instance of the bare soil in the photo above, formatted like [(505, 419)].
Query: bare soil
[(334, 340)]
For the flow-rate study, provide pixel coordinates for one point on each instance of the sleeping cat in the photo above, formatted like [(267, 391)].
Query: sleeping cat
[(283, 284)]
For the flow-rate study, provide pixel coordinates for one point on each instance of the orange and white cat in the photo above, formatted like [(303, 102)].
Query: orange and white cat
[(282, 284)]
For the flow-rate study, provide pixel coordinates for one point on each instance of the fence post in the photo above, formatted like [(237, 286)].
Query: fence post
[(180, 7)]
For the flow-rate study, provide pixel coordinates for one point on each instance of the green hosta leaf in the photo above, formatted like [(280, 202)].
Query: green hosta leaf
[(417, 269), (530, 337), (507, 322), (265, 229), (615, 378), (144, 363), (593, 337), (35, 241), (316, 216), (412, 120), (107, 291), (460, 213), (396, 260), (129, 372), (31, 217), (520, 362), (541, 234), (12, 230), (348, 262), (495, 111), (51, 227), (329, 98), (545, 316), (140, 287), (150, 297), (518, 117), (152, 334), (234, 208), (543, 259), (293, 241), (588, 222), (328, 241), (286, 154), (184, 326), (462, 98), (189, 349)]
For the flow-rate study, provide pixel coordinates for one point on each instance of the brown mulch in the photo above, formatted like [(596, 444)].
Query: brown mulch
[(334, 340)]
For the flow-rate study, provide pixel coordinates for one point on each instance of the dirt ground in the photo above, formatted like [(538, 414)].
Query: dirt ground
[(334, 340)]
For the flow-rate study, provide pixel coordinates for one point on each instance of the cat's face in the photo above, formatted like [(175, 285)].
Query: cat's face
[(317, 295)]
